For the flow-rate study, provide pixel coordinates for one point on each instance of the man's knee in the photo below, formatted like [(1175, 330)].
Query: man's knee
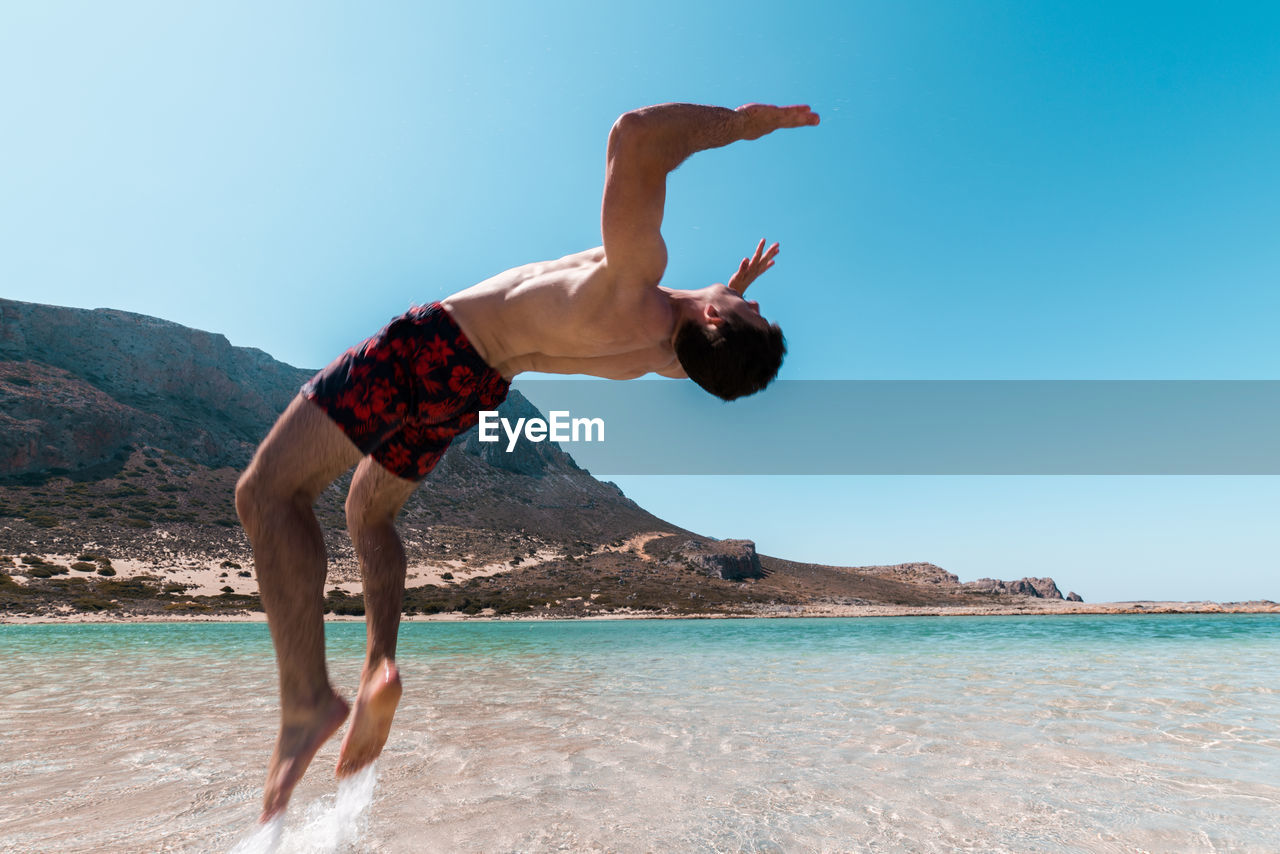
[(367, 517), (249, 494), (258, 493), (375, 498)]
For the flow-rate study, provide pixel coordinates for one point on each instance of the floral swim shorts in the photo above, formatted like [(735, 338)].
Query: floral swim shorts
[(404, 394)]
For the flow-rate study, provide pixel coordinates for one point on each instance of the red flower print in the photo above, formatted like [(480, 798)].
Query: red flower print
[(436, 351), (462, 379), (396, 457)]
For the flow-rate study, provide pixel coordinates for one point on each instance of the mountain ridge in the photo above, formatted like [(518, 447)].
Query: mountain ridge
[(124, 433)]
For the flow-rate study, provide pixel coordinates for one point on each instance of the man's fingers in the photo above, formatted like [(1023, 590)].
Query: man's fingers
[(772, 118), (749, 269), (800, 115)]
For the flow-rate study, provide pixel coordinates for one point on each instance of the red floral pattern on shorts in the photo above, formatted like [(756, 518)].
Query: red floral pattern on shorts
[(404, 394)]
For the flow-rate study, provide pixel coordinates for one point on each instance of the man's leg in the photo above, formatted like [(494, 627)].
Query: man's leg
[(301, 455), (375, 499)]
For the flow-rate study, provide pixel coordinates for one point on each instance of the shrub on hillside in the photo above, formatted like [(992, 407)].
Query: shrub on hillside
[(338, 602), (187, 607), (81, 566), (14, 596), (127, 588)]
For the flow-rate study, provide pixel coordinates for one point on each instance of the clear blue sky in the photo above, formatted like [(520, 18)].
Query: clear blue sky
[(998, 190)]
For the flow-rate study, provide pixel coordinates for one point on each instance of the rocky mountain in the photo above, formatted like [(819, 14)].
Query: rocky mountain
[(83, 387), (121, 437)]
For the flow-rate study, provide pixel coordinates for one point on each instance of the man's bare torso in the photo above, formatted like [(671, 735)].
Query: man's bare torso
[(567, 316)]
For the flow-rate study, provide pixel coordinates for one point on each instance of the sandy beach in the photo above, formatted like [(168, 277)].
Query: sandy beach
[(202, 576)]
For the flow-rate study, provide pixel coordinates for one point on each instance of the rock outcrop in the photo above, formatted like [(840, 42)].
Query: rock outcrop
[(1037, 588), (732, 560), (914, 573)]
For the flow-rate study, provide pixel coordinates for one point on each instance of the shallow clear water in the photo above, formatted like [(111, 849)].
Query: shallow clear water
[(1128, 733)]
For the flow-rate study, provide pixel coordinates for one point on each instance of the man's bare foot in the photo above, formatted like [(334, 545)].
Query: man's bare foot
[(295, 748), (375, 707)]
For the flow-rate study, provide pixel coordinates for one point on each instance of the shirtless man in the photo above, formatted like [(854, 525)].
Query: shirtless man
[(391, 405)]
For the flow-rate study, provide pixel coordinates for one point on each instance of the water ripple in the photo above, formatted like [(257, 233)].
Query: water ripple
[(1049, 734)]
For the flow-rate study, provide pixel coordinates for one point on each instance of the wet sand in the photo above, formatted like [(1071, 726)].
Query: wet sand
[(1025, 608)]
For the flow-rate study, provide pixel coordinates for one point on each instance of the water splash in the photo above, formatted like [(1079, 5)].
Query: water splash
[(264, 840), (329, 825)]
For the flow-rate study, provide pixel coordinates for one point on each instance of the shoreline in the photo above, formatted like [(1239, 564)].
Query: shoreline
[(204, 576), (1047, 609)]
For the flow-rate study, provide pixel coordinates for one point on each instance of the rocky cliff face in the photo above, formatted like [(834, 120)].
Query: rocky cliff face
[(732, 560), (1037, 588), (927, 573), (81, 387), (914, 573)]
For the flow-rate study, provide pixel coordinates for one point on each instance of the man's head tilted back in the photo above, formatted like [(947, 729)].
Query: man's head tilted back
[(725, 346)]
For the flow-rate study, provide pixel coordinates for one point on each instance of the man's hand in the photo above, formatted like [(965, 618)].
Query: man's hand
[(751, 268), (765, 118)]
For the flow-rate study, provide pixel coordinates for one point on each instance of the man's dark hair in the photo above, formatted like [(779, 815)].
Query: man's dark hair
[(731, 360)]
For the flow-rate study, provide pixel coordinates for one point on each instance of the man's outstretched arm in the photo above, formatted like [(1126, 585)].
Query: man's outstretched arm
[(648, 143), (673, 132)]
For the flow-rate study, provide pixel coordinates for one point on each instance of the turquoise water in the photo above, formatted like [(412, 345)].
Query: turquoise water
[(1157, 733)]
